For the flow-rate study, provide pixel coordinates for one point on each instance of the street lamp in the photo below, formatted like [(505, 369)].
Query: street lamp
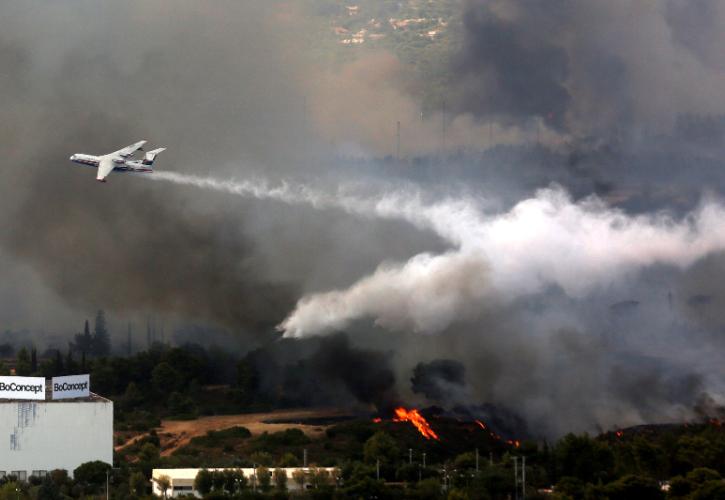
[(107, 473)]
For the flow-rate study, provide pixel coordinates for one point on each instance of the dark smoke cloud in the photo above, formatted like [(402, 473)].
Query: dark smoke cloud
[(326, 371), (605, 69), (440, 380), (507, 70)]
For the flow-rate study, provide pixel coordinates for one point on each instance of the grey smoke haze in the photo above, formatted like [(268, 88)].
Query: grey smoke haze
[(222, 85), (221, 82)]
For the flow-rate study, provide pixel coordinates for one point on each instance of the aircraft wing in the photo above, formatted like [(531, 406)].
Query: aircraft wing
[(105, 167), (128, 150)]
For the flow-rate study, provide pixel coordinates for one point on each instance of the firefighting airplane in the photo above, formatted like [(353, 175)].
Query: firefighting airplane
[(119, 161)]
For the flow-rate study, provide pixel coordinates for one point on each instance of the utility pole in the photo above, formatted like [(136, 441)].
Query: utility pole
[(107, 473), (410, 456), (476, 460), (304, 455), (423, 459), (377, 469), (520, 478), (523, 477)]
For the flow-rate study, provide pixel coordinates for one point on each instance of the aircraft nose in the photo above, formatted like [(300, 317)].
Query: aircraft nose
[(72, 157)]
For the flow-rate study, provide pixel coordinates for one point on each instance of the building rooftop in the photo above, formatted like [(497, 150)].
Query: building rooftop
[(92, 398)]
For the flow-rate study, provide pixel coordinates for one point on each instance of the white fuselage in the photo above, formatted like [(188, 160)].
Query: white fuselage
[(120, 164)]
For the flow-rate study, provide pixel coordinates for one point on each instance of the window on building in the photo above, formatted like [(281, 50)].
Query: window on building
[(40, 473), (20, 475), (2, 474)]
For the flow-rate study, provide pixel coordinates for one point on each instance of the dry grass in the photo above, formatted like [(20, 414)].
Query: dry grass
[(174, 434)]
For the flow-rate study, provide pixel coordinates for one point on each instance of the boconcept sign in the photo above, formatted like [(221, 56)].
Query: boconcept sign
[(22, 388), (72, 386)]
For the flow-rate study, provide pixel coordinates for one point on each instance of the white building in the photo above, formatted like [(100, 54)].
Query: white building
[(37, 437), (182, 480)]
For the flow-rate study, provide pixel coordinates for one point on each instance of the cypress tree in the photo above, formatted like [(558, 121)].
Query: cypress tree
[(101, 340), (33, 360), (58, 365)]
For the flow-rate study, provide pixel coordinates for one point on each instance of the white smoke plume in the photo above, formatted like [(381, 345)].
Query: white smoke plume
[(546, 240)]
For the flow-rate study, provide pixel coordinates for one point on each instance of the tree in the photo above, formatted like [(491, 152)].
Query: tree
[(319, 478), (246, 381), (428, 488), (300, 477), (10, 490), (91, 473), (649, 458), (149, 453), (711, 490), (570, 487), (234, 480), (58, 363), (203, 482), (265, 478), (33, 360), (48, 491), (584, 458), (163, 482), (83, 341), (456, 494), (632, 486), (702, 475), (178, 404), (137, 483), (261, 458), (496, 480), (101, 342), (381, 447), (132, 397), (22, 366), (288, 460), (165, 378), (280, 479), (59, 477), (368, 487), (70, 365), (217, 480)]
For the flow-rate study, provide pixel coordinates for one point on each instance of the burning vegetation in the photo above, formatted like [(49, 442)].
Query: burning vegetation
[(414, 417)]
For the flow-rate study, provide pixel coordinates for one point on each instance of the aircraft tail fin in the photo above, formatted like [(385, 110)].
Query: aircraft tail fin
[(150, 156)]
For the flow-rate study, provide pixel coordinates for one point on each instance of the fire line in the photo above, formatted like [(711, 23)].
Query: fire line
[(415, 418)]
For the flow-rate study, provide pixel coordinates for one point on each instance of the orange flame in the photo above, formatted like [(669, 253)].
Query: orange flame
[(619, 434), (510, 442), (415, 418), (377, 420)]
